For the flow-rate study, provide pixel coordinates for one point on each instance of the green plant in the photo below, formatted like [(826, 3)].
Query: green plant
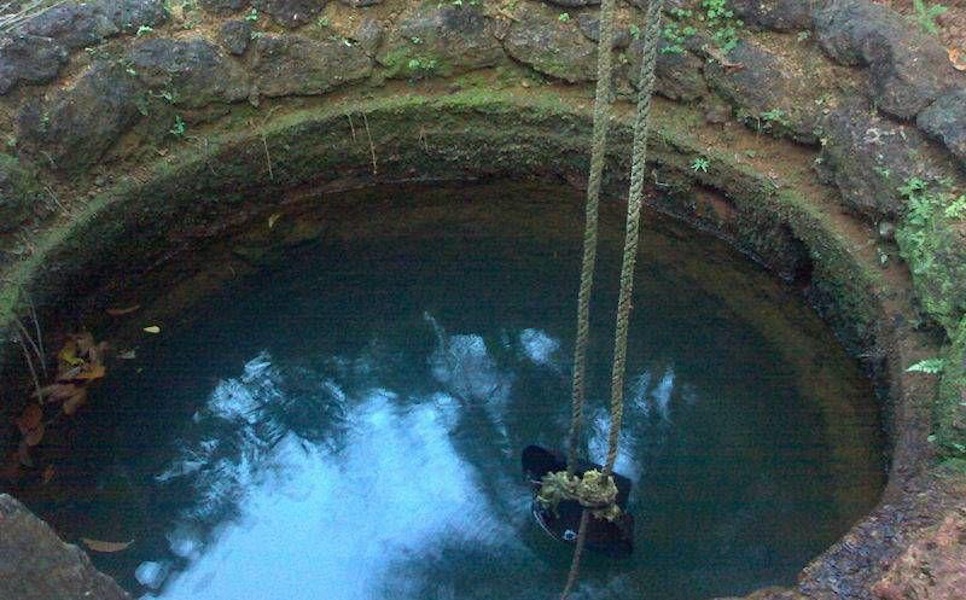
[(676, 30), (722, 24), (252, 15), (803, 36), (700, 164), (179, 128), (926, 15), (144, 30), (422, 66), (563, 17), (635, 31), (930, 366), (929, 240)]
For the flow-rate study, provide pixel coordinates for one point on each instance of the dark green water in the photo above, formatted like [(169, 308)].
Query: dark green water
[(346, 423)]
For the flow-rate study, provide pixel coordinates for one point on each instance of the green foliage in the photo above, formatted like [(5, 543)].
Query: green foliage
[(722, 24), (926, 15), (252, 15), (422, 66), (676, 31), (929, 366), (930, 240), (563, 17), (700, 164), (179, 128), (715, 19)]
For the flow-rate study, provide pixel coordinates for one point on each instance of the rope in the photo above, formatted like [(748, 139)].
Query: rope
[(602, 101), (631, 239)]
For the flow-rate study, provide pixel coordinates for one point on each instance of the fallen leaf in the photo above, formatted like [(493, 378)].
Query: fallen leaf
[(102, 546), (75, 401), (956, 57), (120, 312), (127, 354), (68, 354), (85, 342), (23, 455), (48, 475), (273, 219), (152, 329)]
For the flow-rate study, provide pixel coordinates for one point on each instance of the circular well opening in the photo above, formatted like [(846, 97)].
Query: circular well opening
[(339, 393)]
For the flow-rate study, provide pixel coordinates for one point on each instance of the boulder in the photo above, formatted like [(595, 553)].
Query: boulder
[(30, 59), (765, 95), (193, 71), (868, 157), (678, 75), (131, 15), (81, 123), (36, 565), (945, 120), (907, 68), (291, 13), (235, 36), (73, 25), (223, 7), (290, 64), (444, 39), (549, 46), (776, 15)]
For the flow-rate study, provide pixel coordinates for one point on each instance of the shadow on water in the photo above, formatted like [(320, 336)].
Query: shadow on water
[(347, 422)]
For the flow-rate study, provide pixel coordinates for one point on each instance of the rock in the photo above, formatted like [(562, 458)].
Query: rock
[(36, 565), (945, 120), (777, 15), (81, 123), (369, 36), (589, 24), (291, 64), (73, 25), (540, 40), (235, 36), (678, 76), (131, 15), (933, 566), (193, 71), (29, 58), (572, 3), (291, 13), (223, 7), (765, 95), (868, 157), (907, 68), (361, 3), (444, 39)]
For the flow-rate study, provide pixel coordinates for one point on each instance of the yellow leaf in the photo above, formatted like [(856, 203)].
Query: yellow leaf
[(102, 546), (68, 354), (152, 329)]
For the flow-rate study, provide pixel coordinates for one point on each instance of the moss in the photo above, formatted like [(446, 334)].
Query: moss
[(932, 240), (949, 430)]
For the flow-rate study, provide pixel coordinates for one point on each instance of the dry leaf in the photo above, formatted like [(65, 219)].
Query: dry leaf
[(85, 342), (273, 219), (152, 329), (120, 312), (102, 546), (35, 435), (956, 57), (75, 401), (127, 354), (48, 475), (68, 355)]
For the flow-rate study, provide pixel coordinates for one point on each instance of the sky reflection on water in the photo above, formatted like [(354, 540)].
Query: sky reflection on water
[(361, 511)]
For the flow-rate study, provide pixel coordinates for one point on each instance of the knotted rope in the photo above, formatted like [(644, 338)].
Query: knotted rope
[(602, 103)]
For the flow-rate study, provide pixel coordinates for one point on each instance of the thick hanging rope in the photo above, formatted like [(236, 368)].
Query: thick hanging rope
[(602, 102), (631, 239)]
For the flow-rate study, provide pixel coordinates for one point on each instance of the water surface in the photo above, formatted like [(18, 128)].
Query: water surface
[(346, 423)]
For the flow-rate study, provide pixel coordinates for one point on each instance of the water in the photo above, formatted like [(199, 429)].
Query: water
[(346, 422)]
